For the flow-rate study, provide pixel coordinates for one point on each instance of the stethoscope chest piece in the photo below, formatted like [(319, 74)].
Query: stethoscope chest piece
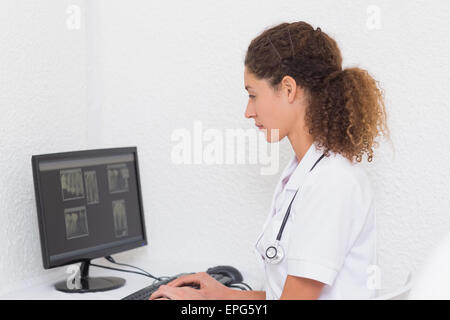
[(274, 253)]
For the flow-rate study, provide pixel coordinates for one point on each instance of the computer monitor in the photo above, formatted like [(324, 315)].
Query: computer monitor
[(89, 205)]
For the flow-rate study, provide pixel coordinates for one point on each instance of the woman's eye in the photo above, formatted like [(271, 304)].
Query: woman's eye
[(251, 97)]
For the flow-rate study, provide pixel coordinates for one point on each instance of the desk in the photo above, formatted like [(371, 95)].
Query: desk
[(134, 282)]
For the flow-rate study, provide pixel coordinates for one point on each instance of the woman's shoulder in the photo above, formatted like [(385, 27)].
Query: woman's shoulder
[(337, 170)]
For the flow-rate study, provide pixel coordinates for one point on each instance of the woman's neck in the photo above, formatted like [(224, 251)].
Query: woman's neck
[(300, 142)]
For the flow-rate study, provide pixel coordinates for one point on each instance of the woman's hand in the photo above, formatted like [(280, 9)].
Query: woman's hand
[(209, 288)]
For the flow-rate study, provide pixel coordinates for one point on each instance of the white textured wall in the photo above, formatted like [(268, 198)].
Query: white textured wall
[(153, 67), (43, 110)]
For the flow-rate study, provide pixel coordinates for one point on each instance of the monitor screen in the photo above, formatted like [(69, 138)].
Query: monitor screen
[(89, 204)]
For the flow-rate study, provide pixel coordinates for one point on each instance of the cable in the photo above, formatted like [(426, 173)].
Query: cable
[(147, 274), (110, 268), (246, 285), (162, 279), (110, 259), (238, 285)]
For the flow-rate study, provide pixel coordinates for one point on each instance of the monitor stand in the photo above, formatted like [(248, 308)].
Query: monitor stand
[(89, 284)]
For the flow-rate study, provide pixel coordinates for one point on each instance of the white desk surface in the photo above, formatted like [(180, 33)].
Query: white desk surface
[(134, 282)]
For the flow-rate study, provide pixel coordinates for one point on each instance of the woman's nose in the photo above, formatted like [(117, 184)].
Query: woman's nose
[(249, 112)]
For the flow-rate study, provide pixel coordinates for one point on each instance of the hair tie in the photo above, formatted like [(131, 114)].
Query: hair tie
[(331, 76)]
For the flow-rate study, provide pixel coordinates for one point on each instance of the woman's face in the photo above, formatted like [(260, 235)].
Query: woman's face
[(269, 108)]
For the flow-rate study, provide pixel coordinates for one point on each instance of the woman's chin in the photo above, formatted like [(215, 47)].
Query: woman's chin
[(272, 135)]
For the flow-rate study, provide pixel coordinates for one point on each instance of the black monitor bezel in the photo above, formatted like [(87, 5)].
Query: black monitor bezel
[(35, 159)]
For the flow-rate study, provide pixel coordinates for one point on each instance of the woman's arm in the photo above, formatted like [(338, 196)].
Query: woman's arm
[(295, 288), (299, 288), (245, 295)]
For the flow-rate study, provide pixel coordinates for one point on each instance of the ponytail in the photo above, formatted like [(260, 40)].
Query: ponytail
[(347, 113)]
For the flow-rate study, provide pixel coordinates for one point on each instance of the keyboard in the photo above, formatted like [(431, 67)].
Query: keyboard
[(145, 293)]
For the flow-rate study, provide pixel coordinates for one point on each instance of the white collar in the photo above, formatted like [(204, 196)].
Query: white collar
[(308, 160)]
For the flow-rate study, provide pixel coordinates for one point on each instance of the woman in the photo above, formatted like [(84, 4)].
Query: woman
[(324, 250)]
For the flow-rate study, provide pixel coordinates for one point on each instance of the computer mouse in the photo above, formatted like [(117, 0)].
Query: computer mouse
[(227, 271)]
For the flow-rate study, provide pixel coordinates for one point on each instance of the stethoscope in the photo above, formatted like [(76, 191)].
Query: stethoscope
[(275, 252)]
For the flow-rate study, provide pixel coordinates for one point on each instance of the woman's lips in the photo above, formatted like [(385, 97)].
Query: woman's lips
[(259, 126)]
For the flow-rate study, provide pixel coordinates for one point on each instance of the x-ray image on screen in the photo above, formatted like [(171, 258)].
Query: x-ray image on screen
[(118, 176), (72, 184), (120, 218), (76, 222), (90, 179)]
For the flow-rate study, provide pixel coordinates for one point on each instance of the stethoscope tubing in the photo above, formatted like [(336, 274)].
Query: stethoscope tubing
[(275, 252), (286, 216)]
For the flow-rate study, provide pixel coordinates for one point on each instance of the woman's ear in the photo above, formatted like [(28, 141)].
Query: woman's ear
[(289, 86)]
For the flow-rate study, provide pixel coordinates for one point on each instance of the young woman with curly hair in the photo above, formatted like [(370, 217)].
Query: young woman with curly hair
[(323, 244)]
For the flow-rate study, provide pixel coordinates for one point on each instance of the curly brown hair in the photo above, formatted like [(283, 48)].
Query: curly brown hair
[(345, 111)]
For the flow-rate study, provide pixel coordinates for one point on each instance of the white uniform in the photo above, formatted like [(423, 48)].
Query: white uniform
[(330, 234)]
